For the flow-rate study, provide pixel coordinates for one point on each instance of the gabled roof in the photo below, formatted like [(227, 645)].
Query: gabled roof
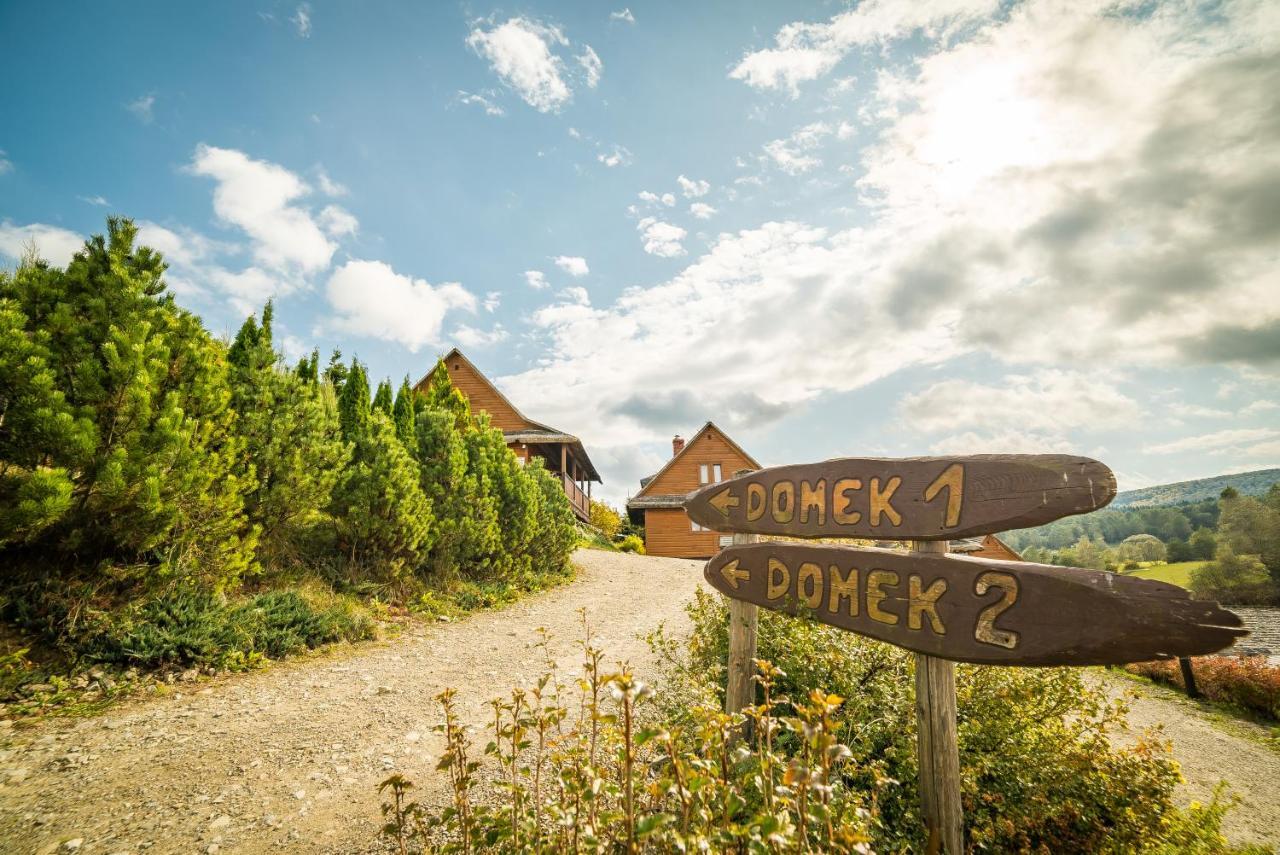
[(645, 482), (537, 432)]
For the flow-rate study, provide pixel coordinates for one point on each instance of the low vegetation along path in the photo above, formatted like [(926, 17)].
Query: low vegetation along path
[(288, 759)]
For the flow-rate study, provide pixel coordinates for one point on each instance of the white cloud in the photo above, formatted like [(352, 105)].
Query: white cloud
[(667, 199), (369, 298), (692, 189), (806, 51), (520, 53), (661, 238), (328, 186), (469, 336), (302, 20), (337, 221), (793, 154), (702, 210), (574, 265), (143, 108), (616, 156), (591, 66), (1260, 406), (54, 244), (481, 100), (492, 300), (6, 165), (1003, 441), (576, 294), (624, 15), (1071, 186), (1049, 401), (1218, 442), (259, 197), (97, 201), (536, 279)]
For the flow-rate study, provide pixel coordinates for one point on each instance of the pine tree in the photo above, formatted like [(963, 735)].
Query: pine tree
[(382, 399), (402, 413), (152, 470), (335, 372), (293, 450), (353, 403), (384, 521), (442, 395)]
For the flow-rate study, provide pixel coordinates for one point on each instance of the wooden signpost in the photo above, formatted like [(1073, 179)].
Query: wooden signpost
[(977, 609), (920, 498), (945, 608)]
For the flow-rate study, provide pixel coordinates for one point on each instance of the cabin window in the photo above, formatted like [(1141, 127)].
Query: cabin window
[(715, 473), (702, 474), (697, 527)]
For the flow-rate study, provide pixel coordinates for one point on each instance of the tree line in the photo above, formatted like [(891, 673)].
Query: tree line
[(137, 450)]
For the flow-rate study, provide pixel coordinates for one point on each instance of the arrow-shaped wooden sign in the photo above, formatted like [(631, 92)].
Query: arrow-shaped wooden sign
[(918, 498), (977, 610)]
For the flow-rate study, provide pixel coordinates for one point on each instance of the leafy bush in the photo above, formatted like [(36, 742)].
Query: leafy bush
[(631, 543), (605, 765), (585, 771), (1247, 682), (606, 519), (1038, 771), (1234, 579)]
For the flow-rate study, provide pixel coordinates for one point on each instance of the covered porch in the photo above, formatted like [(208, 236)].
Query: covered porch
[(564, 458)]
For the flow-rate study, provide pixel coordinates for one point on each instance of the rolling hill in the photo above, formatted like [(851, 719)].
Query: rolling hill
[(1249, 483)]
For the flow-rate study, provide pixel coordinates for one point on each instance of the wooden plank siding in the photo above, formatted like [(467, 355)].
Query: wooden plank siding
[(669, 532), (709, 447)]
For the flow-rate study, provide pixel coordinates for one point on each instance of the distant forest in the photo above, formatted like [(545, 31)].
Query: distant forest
[(1112, 525)]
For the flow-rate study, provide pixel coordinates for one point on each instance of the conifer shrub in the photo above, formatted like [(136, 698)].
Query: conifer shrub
[(192, 626)]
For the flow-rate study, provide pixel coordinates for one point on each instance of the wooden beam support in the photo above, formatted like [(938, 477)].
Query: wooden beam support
[(937, 744)]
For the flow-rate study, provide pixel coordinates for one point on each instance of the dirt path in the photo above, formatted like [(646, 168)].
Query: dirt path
[(289, 758), (1211, 751)]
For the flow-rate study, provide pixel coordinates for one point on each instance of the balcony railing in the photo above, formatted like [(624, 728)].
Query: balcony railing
[(577, 497)]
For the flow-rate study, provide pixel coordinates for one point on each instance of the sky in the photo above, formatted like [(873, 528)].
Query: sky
[(835, 229)]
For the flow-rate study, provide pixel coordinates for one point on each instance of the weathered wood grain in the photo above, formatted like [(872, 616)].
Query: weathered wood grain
[(977, 610), (918, 498)]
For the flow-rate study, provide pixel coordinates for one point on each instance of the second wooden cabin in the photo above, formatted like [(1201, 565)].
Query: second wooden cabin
[(709, 457)]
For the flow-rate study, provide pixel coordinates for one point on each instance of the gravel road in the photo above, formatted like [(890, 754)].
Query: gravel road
[(289, 758), (1210, 752)]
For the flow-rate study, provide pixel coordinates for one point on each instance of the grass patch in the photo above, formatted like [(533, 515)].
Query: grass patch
[(1178, 573), (458, 598)]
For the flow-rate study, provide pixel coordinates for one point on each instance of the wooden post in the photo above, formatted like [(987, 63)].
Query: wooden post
[(937, 745), (743, 620), (1188, 677)]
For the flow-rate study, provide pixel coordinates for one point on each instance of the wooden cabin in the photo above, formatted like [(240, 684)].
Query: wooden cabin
[(988, 546), (562, 453), (709, 457)]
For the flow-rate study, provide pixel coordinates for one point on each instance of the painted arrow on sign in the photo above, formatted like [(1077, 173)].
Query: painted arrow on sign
[(729, 570), (919, 498), (977, 610)]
